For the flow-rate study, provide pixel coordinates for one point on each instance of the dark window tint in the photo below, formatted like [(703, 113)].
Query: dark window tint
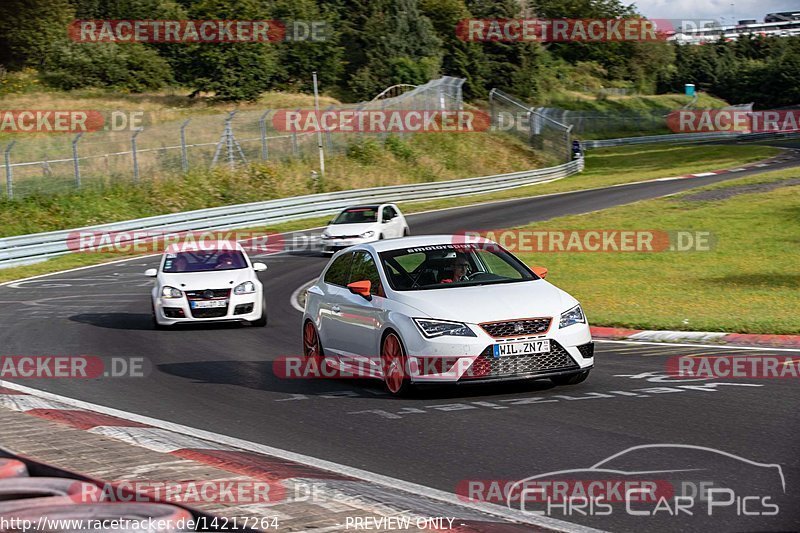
[(339, 271), (364, 267)]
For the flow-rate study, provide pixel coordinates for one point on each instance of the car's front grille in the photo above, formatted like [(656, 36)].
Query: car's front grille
[(210, 312), (488, 366), (517, 328), (208, 294)]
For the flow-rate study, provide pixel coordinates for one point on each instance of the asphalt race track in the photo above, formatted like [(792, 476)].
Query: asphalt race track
[(220, 379)]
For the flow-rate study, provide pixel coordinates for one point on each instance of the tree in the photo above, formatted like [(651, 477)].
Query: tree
[(28, 29), (232, 71), (461, 59), (298, 58), (400, 47)]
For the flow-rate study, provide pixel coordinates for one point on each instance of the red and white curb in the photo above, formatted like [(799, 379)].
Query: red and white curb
[(709, 337), (355, 488)]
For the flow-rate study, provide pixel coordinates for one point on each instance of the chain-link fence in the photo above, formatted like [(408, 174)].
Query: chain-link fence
[(603, 124), (541, 132), (56, 163)]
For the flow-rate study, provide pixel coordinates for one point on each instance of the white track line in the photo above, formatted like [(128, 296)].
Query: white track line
[(693, 345), (293, 299), (364, 475), (704, 174)]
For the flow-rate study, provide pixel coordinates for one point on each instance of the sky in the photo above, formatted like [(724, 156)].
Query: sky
[(713, 9)]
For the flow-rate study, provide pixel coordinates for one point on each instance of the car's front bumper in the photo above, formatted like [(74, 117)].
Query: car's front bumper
[(240, 308), (450, 359)]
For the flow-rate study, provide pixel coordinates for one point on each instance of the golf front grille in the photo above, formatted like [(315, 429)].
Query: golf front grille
[(208, 294), (210, 312), (517, 328), (488, 366)]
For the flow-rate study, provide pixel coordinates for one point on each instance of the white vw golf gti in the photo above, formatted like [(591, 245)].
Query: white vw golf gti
[(208, 282), (436, 309), (364, 223)]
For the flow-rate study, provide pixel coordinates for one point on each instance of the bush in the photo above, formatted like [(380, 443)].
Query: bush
[(366, 151), (129, 67), (400, 149)]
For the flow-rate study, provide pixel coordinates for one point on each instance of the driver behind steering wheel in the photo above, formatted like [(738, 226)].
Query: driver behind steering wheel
[(461, 270)]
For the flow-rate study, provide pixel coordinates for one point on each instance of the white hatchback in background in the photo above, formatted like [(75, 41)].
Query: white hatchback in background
[(435, 309), (208, 282), (364, 223)]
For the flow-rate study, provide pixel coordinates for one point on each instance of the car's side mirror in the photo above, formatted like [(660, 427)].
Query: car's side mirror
[(151, 272), (540, 271), (259, 267), (362, 288)]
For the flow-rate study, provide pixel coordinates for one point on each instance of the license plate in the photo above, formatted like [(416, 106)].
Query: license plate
[(522, 348), (205, 304)]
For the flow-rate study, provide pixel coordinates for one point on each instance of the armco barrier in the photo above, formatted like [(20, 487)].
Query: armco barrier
[(688, 138), (26, 249)]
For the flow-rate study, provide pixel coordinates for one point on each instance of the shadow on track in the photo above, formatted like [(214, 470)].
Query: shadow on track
[(141, 322), (260, 375)]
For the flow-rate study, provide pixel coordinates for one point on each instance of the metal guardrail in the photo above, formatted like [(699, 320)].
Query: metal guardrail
[(688, 137), (25, 249)]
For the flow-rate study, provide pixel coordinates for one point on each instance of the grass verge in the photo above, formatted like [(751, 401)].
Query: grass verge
[(749, 282)]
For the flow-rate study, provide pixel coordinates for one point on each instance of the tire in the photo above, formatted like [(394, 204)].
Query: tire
[(312, 347), (571, 379), (394, 366), (262, 321)]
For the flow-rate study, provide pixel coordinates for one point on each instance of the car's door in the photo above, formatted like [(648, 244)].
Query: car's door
[(334, 288), (391, 223), (361, 318)]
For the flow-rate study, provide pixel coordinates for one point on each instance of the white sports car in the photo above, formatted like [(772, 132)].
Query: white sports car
[(364, 223), (212, 282), (437, 310)]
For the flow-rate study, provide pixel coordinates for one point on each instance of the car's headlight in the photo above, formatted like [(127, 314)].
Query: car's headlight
[(573, 316), (367, 234), (248, 287), (438, 328), (171, 292)]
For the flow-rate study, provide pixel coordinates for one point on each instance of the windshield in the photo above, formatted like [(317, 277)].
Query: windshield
[(357, 215), (443, 266), (204, 261)]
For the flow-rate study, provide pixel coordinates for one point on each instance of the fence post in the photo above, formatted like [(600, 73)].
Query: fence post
[(568, 135), (262, 123), (328, 136), (184, 154), (76, 165), (492, 110), (9, 176), (134, 154), (295, 147)]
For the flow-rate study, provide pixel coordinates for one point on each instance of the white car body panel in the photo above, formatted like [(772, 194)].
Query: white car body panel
[(351, 327)]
